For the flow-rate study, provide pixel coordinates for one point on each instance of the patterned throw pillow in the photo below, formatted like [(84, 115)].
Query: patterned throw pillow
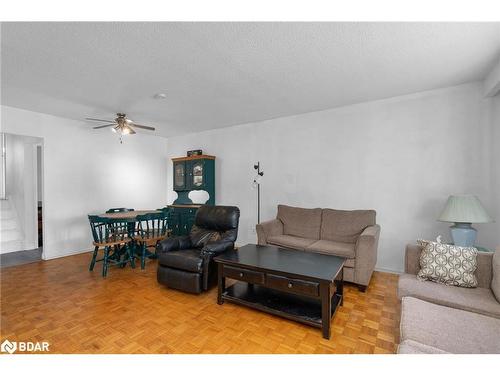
[(448, 264)]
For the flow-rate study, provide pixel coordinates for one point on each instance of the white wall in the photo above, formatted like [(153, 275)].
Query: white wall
[(87, 171), (14, 175), (495, 166), (401, 156)]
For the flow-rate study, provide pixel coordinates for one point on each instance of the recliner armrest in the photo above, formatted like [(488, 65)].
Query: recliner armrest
[(216, 247), (174, 243), (267, 229)]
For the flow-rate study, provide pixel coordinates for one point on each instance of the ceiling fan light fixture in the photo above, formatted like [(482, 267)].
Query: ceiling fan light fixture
[(126, 130), (120, 125)]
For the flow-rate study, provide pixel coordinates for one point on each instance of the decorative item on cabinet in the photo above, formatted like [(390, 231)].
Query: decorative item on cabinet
[(194, 152), (191, 173)]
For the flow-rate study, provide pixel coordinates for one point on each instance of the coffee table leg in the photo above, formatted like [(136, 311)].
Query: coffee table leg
[(221, 283), (326, 309), (340, 288)]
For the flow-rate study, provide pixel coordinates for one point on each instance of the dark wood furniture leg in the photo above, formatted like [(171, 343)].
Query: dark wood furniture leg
[(362, 288), (340, 287), (221, 283), (326, 309)]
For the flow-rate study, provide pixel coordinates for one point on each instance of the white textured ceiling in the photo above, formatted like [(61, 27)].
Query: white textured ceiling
[(221, 74)]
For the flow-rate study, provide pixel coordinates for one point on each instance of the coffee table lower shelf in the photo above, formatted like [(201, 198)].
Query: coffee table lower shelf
[(294, 307)]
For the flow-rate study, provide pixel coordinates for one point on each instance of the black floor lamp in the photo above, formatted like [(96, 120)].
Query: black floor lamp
[(256, 183)]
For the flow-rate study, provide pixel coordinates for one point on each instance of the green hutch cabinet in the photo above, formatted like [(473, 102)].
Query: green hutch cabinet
[(190, 173)]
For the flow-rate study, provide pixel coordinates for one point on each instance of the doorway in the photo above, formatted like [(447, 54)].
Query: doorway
[(21, 204)]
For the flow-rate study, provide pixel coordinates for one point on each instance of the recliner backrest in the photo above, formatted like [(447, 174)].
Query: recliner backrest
[(215, 223)]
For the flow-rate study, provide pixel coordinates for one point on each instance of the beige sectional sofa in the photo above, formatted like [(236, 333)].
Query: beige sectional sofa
[(350, 234), (437, 318)]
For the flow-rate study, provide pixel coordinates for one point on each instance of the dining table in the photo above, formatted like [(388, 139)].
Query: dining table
[(130, 217)]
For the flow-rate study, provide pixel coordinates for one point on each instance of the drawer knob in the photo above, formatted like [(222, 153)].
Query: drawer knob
[(241, 274), (290, 285)]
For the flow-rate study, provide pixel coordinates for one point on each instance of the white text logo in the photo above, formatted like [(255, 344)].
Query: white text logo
[(24, 346)]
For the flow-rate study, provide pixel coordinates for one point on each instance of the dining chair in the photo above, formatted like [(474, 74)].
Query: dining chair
[(128, 227), (108, 235), (151, 228)]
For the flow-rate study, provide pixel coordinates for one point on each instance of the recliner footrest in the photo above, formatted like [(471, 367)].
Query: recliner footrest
[(177, 279)]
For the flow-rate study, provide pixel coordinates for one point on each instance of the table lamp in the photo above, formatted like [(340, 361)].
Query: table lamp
[(463, 210)]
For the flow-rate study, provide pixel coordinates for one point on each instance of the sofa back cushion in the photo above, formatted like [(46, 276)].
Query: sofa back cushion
[(495, 280), (300, 222), (345, 226)]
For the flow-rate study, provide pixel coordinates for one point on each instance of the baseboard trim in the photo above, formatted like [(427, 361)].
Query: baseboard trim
[(76, 252), (388, 271)]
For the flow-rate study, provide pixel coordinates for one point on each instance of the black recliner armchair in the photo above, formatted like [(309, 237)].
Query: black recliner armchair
[(186, 262)]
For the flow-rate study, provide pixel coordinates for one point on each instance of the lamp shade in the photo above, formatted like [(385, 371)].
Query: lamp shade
[(464, 209)]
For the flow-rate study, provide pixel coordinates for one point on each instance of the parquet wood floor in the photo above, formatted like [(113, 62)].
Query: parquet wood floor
[(78, 311)]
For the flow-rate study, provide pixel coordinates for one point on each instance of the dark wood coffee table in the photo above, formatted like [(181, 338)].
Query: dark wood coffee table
[(301, 286)]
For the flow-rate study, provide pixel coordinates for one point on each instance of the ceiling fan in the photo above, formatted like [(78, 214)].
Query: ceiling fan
[(121, 124)]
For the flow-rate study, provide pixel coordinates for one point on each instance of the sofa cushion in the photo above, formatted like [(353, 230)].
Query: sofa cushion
[(479, 300), (340, 249), (291, 242), (186, 260), (413, 347), (495, 281), (448, 329), (448, 264), (300, 222), (345, 226)]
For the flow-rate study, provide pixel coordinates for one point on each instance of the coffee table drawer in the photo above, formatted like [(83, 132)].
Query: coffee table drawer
[(307, 288), (242, 274)]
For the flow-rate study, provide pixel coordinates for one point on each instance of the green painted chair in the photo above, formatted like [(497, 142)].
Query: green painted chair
[(108, 235), (128, 226), (151, 229)]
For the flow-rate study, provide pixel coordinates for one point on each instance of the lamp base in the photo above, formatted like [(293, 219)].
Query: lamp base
[(463, 234)]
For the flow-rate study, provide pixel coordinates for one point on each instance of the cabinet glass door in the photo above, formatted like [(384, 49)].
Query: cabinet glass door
[(197, 176), (179, 176)]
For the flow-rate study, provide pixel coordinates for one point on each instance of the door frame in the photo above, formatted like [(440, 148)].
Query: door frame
[(35, 195)]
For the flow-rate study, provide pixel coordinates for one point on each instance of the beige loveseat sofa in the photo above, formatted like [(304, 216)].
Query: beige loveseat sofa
[(350, 234), (437, 318)]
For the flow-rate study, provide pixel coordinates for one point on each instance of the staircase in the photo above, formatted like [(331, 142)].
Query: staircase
[(11, 236)]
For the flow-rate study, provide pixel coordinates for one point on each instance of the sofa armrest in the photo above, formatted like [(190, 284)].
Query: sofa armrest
[(268, 229), (366, 254), (173, 243), (412, 258)]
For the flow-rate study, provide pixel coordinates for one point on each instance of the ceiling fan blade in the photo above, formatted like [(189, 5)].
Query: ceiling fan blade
[(96, 119), (142, 126), (103, 126)]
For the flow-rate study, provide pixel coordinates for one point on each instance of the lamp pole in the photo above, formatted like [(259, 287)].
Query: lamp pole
[(256, 181)]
